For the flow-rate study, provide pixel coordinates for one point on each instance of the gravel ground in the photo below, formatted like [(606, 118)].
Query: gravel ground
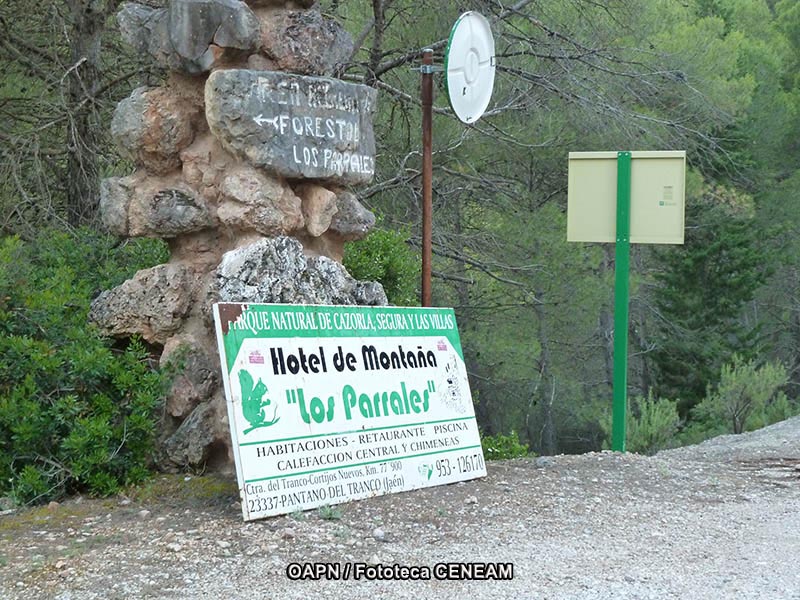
[(717, 520)]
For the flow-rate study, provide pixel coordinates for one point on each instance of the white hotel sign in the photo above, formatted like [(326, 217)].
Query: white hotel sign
[(335, 403)]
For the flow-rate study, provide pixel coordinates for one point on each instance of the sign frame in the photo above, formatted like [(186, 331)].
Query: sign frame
[(606, 185), (657, 192), (407, 430)]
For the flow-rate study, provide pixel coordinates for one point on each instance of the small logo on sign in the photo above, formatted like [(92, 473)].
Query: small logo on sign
[(452, 386), (254, 406), (441, 345), (425, 470), (255, 358)]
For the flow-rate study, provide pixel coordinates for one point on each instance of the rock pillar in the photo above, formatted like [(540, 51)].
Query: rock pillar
[(243, 161)]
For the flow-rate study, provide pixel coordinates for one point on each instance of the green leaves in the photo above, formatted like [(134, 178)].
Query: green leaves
[(702, 290), (75, 414), (500, 446), (652, 424), (384, 256), (744, 396)]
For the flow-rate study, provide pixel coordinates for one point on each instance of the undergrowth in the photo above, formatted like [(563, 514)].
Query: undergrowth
[(76, 411)]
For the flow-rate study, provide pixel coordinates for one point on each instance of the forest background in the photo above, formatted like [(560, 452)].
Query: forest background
[(715, 323)]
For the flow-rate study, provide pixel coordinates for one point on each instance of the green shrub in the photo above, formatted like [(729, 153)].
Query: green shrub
[(76, 413), (500, 446), (385, 257), (779, 409), (695, 432), (330, 513), (748, 396), (652, 424)]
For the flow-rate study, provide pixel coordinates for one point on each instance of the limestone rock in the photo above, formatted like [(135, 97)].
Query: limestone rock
[(220, 160), (253, 200), (195, 373), (259, 272), (259, 62), (328, 244), (133, 19), (370, 293), (351, 221), (305, 42), (172, 212), (151, 127), (115, 200), (202, 250), (191, 443), (151, 207), (190, 35), (145, 30), (205, 163), (276, 270), (295, 126), (326, 278), (280, 3), (190, 91), (319, 207), (153, 304), (196, 25)]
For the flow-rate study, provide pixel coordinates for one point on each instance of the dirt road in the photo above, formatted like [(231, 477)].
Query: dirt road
[(718, 520)]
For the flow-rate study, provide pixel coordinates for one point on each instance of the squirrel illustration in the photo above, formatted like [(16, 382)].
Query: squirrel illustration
[(253, 407)]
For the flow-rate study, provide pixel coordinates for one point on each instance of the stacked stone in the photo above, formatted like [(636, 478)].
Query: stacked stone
[(242, 161)]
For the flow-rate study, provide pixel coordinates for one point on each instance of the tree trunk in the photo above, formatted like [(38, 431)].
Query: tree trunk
[(83, 127), (544, 393), (483, 413), (639, 377), (794, 329), (607, 321)]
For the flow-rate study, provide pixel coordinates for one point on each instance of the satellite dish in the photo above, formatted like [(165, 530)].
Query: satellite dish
[(469, 64)]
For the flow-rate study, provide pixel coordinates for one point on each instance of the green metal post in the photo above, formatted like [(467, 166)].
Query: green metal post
[(621, 295)]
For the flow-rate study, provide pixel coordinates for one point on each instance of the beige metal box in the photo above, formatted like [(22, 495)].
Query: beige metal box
[(658, 197)]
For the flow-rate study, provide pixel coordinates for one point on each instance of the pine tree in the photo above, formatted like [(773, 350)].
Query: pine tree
[(705, 286)]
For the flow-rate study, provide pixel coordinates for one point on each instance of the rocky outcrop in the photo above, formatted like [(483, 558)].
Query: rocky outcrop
[(298, 127), (243, 170), (195, 36), (151, 127), (194, 371), (251, 199), (351, 221), (204, 164), (190, 36), (277, 271), (305, 42), (153, 304), (192, 442), (140, 206), (319, 207)]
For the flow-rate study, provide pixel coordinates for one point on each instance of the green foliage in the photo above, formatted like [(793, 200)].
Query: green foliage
[(330, 513), (652, 424), (703, 287), (747, 396), (198, 491), (384, 256), (76, 414), (500, 446), (718, 78)]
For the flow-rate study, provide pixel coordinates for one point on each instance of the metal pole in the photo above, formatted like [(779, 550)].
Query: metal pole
[(427, 174), (621, 296)]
